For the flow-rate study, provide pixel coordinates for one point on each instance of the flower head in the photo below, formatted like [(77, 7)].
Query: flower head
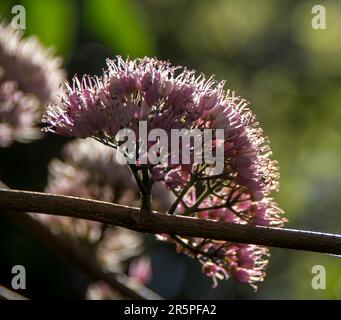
[(18, 113), (29, 76), (25, 61), (168, 98)]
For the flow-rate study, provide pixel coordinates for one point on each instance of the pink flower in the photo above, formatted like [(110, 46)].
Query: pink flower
[(29, 76), (101, 291), (140, 269), (19, 112), (167, 98), (26, 62)]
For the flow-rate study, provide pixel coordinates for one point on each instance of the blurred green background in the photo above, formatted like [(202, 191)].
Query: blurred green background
[(269, 53)]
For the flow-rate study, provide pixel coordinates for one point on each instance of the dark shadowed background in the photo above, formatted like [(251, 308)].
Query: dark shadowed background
[(269, 53)]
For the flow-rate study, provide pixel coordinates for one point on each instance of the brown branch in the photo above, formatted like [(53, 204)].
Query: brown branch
[(7, 294), (123, 216)]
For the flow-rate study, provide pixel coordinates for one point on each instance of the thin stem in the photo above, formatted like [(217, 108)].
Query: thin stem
[(195, 250), (213, 177), (176, 194), (183, 192), (195, 210), (146, 206), (187, 246), (144, 185), (138, 179), (201, 198), (180, 197)]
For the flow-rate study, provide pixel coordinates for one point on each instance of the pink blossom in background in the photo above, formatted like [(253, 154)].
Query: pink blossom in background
[(140, 269), (90, 170), (29, 77)]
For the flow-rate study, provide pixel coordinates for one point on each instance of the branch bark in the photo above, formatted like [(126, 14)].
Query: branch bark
[(7, 294), (123, 216)]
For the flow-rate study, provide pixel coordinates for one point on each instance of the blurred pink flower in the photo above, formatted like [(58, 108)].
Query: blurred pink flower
[(18, 113), (101, 291), (29, 77), (140, 269), (90, 170)]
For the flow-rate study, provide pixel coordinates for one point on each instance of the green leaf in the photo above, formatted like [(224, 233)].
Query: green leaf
[(120, 25), (52, 21), (5, 10)]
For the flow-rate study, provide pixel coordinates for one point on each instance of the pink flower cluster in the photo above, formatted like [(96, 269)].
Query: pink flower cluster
[(169, 97), (29, 76), (19, 112), (231, 203)]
